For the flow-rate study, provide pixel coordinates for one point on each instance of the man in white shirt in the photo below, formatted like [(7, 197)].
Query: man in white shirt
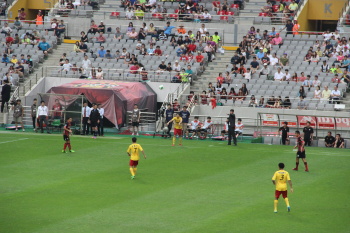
[(203, 29), (66, 66), (307, 82), (335, 95), (195, 127), (206, 16), (316, 82), (86, 63), (176, 66), (279, 75), (206, 127), (43, 114), (6, 29), (86, 110), (287, 75), (273, 60), (100, 125), (239, 127), (327, 35)]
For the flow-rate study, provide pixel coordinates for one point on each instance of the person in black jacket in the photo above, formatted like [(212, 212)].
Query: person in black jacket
[(231, 128), (94, 119), (285, 131), (5, 93)]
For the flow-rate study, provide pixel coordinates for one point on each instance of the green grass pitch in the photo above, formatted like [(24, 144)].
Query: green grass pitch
[(204, 186)]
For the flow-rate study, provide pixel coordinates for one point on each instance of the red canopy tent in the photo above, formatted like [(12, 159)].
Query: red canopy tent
[(115, 97)]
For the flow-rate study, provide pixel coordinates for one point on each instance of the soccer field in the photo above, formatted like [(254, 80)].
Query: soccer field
[(204, 186)]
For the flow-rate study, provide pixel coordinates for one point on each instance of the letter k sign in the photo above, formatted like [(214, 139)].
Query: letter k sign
[(327, 8)]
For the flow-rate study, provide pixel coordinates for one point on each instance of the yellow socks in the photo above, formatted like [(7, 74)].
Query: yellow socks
[(132, 171), (135, 170), (275, 203), (180, 140), (287, 201), (174, 140)]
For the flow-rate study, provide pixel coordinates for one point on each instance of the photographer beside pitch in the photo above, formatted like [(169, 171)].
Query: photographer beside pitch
[(231, 127)]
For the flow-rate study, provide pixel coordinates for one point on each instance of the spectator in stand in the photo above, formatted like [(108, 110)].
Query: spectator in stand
[(277, 40), (66, 66), (162, 67), (215, 5), (316, 82), (307, 82), (284, 61), (335, 95), (19, 69), (273, 60), (17, 24), (317, 93), (265, 59), (260, 54), (133, 34), (99, 73), (326, 93), (339, 142), (14, 59), (247, 75), (286, 103), (168, 29), (289, 27), (133, 60), (22, 14), (83, 47), (151, 50), (108, 54), (302, 104), (100, 38), (118, 34), (158, 51), (324, 67), (302, 77), (93, 28), (101, 52), (220, 79), (261, 103), (345, 78), (192, 47), (142, 34), (206, 17), (235, 59), (181, 29), (129, 14), (6, 29), (265, 70), (308, 57), (44, 46), (301, 92), (254, 65), (176, 66), (53, 26), (83, 37), (315, 57), (279, 75), (293, 7), (169, 68), (162, 36), (61, 28), (209, 50), (86, 63)]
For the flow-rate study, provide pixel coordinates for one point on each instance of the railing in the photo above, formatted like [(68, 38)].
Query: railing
[(113, 74), (148, 121), (27, 86)]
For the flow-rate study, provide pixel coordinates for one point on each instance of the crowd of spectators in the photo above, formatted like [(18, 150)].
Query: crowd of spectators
[(282, 11)]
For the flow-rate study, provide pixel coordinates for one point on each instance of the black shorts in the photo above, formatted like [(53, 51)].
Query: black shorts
[(224, 131), (301, 155), (238, 132), (93, 123), (204, 130), (66, 137), (136, 124), (192, 130)]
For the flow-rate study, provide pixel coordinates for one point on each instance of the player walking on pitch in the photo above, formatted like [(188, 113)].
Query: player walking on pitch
[(133, 152), (280, 179), (177, 128), (301, 152), (66, 132)]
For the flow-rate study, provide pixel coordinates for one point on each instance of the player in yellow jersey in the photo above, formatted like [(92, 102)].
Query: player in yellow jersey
[(133, 152), (177, 128), (280, 179)]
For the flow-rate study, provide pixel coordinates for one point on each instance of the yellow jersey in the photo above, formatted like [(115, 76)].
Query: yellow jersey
[(177, 122), (134, 150), (281, 177)]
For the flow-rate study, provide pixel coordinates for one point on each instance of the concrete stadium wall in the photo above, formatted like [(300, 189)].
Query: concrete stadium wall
[(249, 112)]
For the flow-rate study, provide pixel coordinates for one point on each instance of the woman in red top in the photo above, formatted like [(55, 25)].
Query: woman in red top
[(220, 79), (204, 98), (213, 102)]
